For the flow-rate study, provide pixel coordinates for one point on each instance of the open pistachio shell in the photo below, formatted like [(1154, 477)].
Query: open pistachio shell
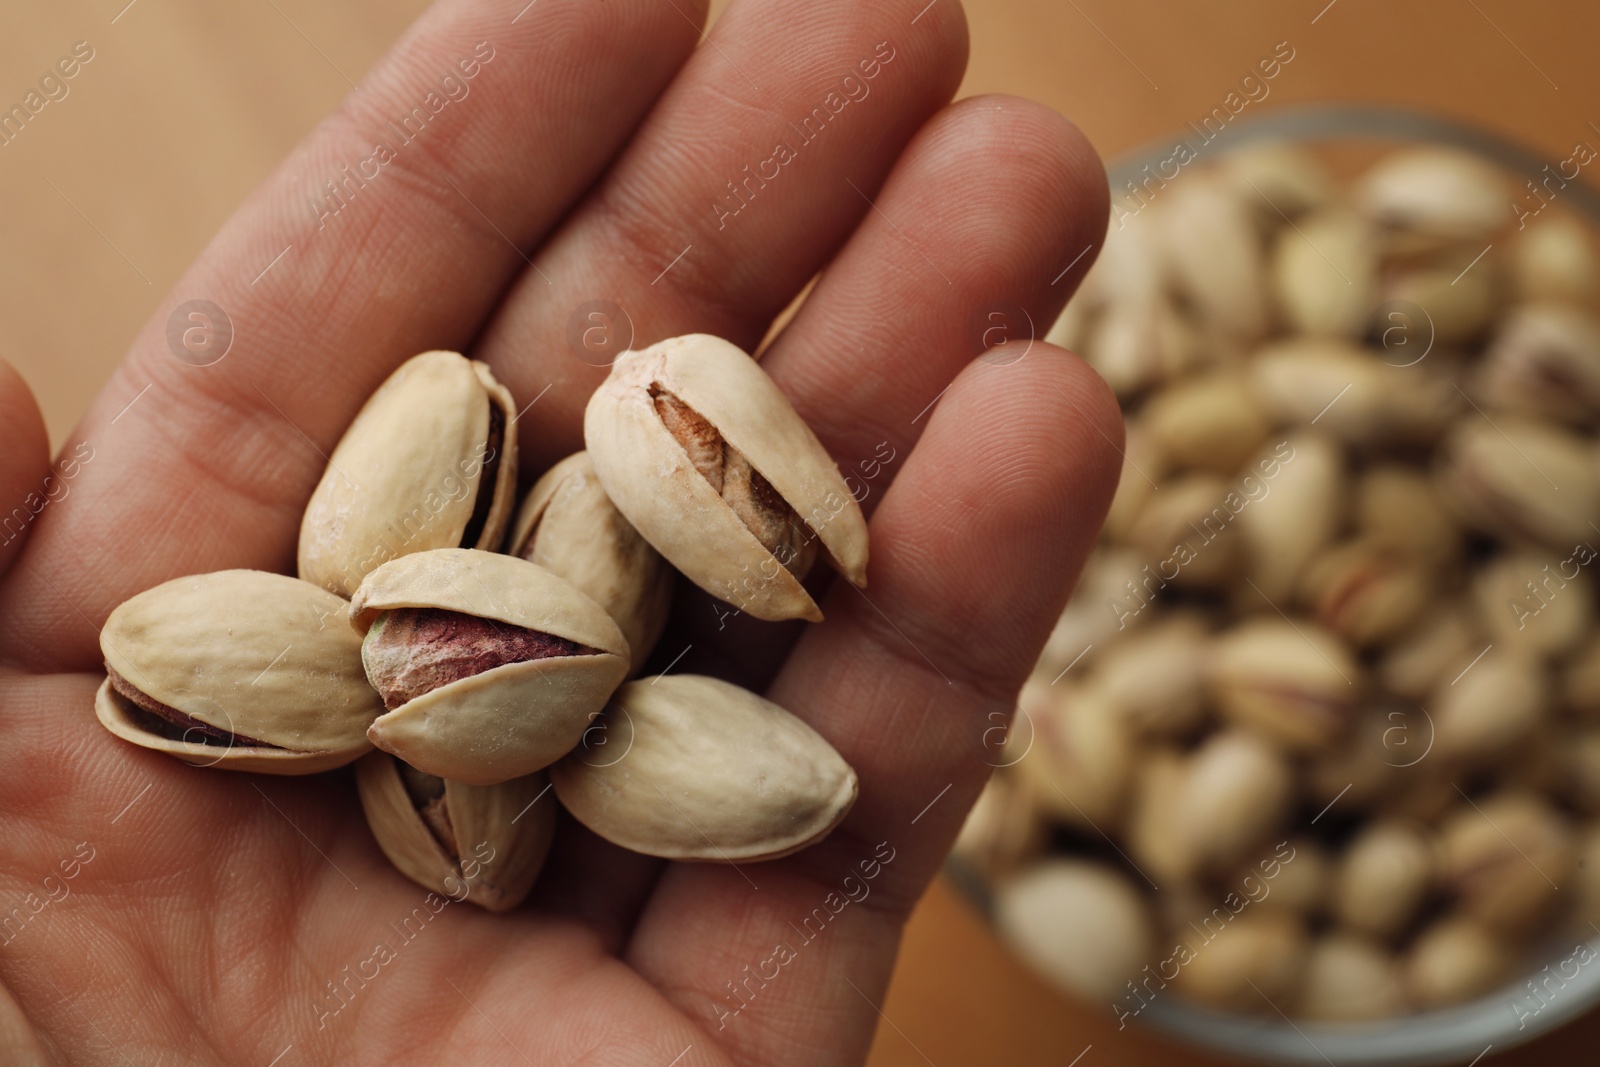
[(735, 416), (694, 768), (568, 526), (429, 462), (241, 670), (483, 844), (512, 719)]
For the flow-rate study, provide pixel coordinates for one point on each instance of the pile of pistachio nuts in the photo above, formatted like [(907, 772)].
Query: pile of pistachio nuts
[(468, 655), (1319, 731)]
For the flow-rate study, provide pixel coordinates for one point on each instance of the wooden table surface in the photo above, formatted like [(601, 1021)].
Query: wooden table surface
[(187, 104)]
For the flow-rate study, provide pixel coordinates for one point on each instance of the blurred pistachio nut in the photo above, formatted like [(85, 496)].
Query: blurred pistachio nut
[(708, 460), (1454, 960), (1297, 684), (242, 670), (429, 462), (1083, 925), (1554, 259), (1297, 504), (1078, 767), (1297, 877), (1186, 528), (1545, 361), (491, 667), (1432, 196), (1153, 830), (1213, 254), (1236, 790), (483, 844), (1365, 592), (1400, 508), (1442, 643), (1535, 602), (1349, 977), (1505, 858), (1522, 480), (1260, 952), (1383, 877), (1153, 677), (1325, 274), (1349, 392), (1003, 830), (568, 526), (1496, 703), (695, 768), (1213, 422), (1278, 181)]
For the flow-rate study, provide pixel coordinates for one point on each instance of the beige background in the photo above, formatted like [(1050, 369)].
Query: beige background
[(187, 104)]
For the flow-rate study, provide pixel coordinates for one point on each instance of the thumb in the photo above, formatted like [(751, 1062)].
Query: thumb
[(24, 463)]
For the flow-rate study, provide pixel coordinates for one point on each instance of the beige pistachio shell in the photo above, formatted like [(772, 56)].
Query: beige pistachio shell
[(568, 526), (1296, 493), (1505, 857), (1293, 682), (1213, 254), (1524, 481), (1454, 960), (1495, 703), (406, 475), (695, 768), (1002, 831), (1212, 421), (1081, 755), (514, 719), (1082, 925), (1233, 964), (1544, 361), (1384, 876), (1347, 978), (498, 836), (650, 478), (1325, 274), (1236, 790), (1554, 258), (1436, 193), (257, 655), (1278, 180)]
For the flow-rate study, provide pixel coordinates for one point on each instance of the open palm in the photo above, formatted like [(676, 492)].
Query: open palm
[(556, 181)]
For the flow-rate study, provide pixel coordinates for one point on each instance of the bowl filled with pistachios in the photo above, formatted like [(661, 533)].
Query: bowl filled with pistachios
[(1310, 769)]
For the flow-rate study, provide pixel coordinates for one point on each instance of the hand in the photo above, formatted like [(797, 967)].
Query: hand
[(152, 912)]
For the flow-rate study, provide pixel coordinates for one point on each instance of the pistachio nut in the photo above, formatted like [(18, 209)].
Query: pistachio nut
[(1136, 344), (1441, 644), (1081, 757), (1297, 505), (242, 670), (1296, 877), (491, 667), (1424, 793), (1535, 602), (1296, 683), (1459, 298), (1495, 703), (1278, 181), (429, 462), (1399, 507), (1153, 679), (1384, 876), (1141, 467), (1112, 599), (1236, 790), (1433, 196), (1505, 858), (568, 526), (1554, 259), (1082, 925), (1544, 361), (483, 844), (695, 768), (1258, 953), (1362, 770), (1349, 977), (1003, 830), (1186, 530), (1211, 422), (1454, 960), (1325, 274), (1580, 680), (710, 463), (1152, 831), (1348, 391), (1525, 481), (1365, 592), (1213, 255)]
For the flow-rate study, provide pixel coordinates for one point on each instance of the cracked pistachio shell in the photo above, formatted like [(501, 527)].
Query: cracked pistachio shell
[(1535, 602), (1365, 592), (1459, 299), (1236, 790), (1544, 361), (511, 720), (1278, 181), (1260, 952), (1435, 195), (1504, 858), (1296, 493), (650, 477), (483, 844), (410, 473), (1293, 682), (1554, 259), (568, 526), (1523, 481), (1083, 925), (260, 657), (1081, 758), (1153, 678), (693, 768), (1454, 960), (1187, 525), (1214, 255), (1212, 421), (1495, 703)]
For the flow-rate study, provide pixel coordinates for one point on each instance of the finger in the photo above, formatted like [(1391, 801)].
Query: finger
[(337, 268), (741, 184), (26, 485), (864, 372), (1020, 457)]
